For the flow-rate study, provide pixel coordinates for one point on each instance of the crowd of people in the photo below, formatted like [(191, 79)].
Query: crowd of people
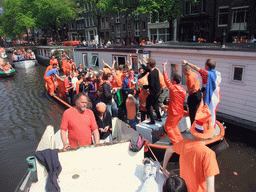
[(116, 92), (5, 66), (22, 54)]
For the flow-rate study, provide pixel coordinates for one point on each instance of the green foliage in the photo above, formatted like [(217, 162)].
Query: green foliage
[(17, 17), (20, 15)]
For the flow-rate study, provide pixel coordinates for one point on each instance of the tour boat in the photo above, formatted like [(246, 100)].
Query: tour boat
[(8, 73), (25, 64), (102, 167)]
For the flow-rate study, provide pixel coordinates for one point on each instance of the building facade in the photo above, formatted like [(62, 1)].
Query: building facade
[(213, 20)]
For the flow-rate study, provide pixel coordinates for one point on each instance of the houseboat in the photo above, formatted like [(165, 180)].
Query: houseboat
[(236, 65), (44, 53)]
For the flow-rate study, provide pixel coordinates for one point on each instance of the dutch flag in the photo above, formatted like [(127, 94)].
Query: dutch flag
[(212, 93)]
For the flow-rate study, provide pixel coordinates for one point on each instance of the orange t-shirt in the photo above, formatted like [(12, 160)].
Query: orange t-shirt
[(117, 82), (197, 162), (79, 125), (131, 108), (142, 99), (143, 80), (55, 61), (177, 95), (193, 81)]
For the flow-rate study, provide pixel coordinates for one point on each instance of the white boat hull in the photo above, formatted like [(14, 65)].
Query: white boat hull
[(3, 55), (24, 64), (106, 167)]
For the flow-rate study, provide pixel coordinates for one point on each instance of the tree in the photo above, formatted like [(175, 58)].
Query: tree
[(20, 15), (17, 17), (51, 14)]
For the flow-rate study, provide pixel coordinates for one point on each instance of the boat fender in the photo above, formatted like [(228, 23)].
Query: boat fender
[(31, 163), (137, 143)]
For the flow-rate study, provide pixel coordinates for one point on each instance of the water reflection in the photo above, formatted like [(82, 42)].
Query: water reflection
[(25, 111)]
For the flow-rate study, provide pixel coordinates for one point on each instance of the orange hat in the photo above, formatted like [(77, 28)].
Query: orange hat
[(202, 126), (101, 107)]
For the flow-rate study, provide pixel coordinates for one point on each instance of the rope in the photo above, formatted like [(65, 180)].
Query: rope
[(154, 156)]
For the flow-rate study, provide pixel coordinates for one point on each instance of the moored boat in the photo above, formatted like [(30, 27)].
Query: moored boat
[(25, 64), (3, 53), (8, 73), (103, 167)]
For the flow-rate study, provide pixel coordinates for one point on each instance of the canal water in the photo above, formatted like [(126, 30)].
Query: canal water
[(26, 110)]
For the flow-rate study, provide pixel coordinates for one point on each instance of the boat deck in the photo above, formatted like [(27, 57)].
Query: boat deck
[(154, 133)]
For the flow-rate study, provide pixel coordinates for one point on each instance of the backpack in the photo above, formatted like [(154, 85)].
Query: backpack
[(137, 143)]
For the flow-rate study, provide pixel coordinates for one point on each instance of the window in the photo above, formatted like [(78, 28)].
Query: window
[(239, 15), (154, 17), (239, 18), (118, 18), (85, 61), (238, 73), (120, 60), (223, 16), (102, 23), (135, 64), (186, 8), (124, 27), (95, 60), (136, 16), (137, 29), (204, 6), (118, 31), (106, 22), (195, 8), (183, 77), (143, 25)]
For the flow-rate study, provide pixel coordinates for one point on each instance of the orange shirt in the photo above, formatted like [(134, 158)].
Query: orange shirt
[(193, 82), (54, 61), (161, 79), (143, 80), (142, 99), (131, 108), (79, 125), (197, 162), (177, 95), (117, 82)]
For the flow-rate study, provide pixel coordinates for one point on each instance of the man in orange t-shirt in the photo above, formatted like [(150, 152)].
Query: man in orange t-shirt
[(80, 123), (142, 99), (175, 111), (131, 103), (54, 61), (193, 86), (198, 164)]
